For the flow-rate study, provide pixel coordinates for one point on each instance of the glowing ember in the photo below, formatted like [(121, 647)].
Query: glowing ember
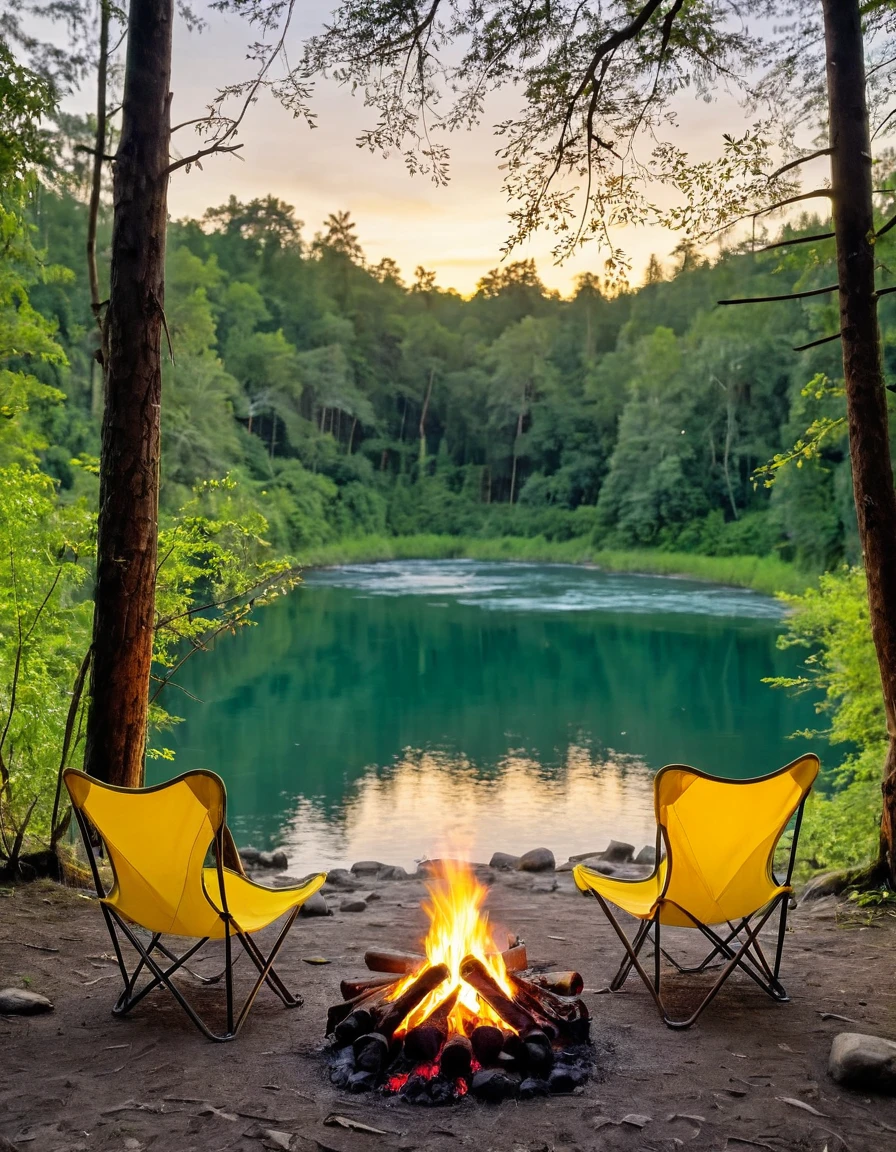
[(458, 928)]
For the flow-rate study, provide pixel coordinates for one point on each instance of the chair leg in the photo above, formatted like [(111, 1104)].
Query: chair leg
[(631, 951), (735, 961), (626, 966), (160, 976)]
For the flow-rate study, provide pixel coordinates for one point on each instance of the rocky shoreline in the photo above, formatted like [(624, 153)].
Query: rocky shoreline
[(351, 889)]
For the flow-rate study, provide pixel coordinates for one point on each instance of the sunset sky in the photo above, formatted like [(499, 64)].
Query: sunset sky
[(458, 231)]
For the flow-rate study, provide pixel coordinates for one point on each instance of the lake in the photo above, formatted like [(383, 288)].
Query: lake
[(419, 708)]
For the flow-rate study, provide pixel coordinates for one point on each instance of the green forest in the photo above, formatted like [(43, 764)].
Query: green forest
[(349, 403)]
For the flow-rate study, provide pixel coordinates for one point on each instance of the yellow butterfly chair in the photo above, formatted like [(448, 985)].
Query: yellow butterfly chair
[(719, 838), (157, 840)]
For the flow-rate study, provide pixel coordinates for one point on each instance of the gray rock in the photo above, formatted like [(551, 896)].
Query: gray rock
[(866, 1062), (582, 856), (367, 867), (566, 866), (341, 878), (537, 860), (636, 1120), (353, 906), (618, 852), (248, 855), (21, 1002), (504, 862), (647, 855), (280, 859), (545, 886), (828, 884), (315, 905), (265, 860), (393, 872)]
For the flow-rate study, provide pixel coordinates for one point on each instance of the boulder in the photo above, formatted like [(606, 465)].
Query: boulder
[(366, 867), (280, 859), (545, 885), (828, 884), (353, 906), (22, 1002), (341, 878), (504, 862), (618, 852), (265, 860), (393, 872), (647, 855), (864, 1062), (537, 860), (249, 855), (315, 905)]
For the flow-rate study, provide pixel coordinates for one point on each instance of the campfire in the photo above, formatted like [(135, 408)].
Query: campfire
[(462, 1015)]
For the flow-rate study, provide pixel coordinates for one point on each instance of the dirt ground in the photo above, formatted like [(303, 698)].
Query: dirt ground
[(750, 1075)]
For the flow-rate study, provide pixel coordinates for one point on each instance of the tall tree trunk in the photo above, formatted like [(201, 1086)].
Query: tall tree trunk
[(516, 441), (129, 461), (424, 410), (866, 399)]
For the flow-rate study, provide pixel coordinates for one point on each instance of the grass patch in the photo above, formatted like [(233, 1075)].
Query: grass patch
[(766, 574)]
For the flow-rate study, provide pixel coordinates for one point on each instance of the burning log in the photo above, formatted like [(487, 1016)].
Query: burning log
[(563, 983), (395, 1012), (364, 1000), (422, 1044), (357, 1023), (456, 1061), (349, 989), (485, 985), (487, 1043), (439, 1016), (371, 1052), (402, 963), (562, 1014)]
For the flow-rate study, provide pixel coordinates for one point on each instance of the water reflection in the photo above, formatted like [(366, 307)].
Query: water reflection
[(431, 804), (380, 704)]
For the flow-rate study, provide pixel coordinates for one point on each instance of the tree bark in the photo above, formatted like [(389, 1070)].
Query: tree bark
[(866, 399), (127, 528)]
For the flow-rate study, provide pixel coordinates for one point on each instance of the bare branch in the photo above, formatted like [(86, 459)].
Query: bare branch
[(815, 343), (891, 223), (885, 291), (795, 240), (201, 154), (787, 296), (796, 163)]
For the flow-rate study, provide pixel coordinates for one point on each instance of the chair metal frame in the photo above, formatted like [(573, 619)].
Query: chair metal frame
[(745, 954), (224, 848)]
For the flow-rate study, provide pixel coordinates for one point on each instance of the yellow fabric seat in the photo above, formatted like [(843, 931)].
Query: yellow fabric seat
[(157, 840), (716, 842)]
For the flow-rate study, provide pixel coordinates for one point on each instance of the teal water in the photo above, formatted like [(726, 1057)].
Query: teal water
[(409, 709)]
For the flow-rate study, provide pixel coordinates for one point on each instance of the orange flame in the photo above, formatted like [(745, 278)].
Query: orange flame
[(457, 929)]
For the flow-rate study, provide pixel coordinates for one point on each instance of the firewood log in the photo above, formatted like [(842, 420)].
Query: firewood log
[(563, 983), (352, 988), (370, 999), (515, 958), (484, 984), (392, 1014), (404, 963), (561, 1009)]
